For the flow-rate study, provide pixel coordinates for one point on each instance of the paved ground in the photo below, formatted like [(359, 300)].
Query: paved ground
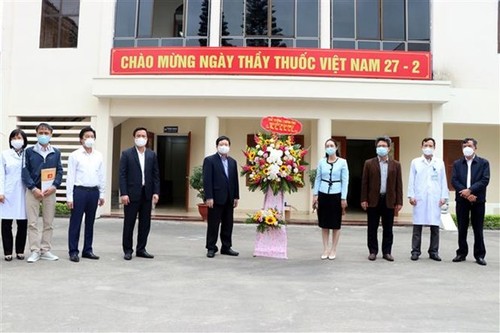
[(183, 291)]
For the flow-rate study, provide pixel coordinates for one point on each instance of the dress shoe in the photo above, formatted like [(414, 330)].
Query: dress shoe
[(20, 256), (458, 258), (481, 261), (90, 255), (8, 257), (144, 254), (324, 255), (435, 256), (229, 252), (372, 256), (74, 258), (127, 256), (414, 256), (388, 257), (210, 253)]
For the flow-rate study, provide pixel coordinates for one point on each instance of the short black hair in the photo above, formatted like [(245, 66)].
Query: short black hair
[(220, 138), (424, 140), (139, 129), (474, 141), (14, 133), (47, 126), (384, 138), (85, 130)]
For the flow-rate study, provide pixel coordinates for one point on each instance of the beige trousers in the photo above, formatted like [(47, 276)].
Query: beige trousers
[(33, 211)]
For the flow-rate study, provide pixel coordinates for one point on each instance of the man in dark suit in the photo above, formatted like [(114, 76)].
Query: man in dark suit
[(139, 190), (381, 196), (470, 177), (220, 183)]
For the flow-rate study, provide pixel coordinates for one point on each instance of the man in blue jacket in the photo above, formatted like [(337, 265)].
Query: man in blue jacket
[(470, 177), (42, 175), (220, 183)]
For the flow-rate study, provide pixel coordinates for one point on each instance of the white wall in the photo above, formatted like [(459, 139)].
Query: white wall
[(464, 47)]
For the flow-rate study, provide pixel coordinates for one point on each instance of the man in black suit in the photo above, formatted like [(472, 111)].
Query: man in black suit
[(139, 190), (220, 183), (470, 177)]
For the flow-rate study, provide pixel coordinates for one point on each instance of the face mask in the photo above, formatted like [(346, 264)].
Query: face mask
[(428, 151), (223, 150), (382, 151), (89, 143), (43, 139), (468, 151), (17, 143), (330, 151), (140, 142)]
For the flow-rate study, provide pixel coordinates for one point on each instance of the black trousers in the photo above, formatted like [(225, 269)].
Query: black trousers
[(416, 240), (7, 239), (85, 201), (374, 216), (143, 209), (220, 215), (476, 211)]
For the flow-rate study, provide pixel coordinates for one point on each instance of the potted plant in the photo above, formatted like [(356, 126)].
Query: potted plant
[(196, 183)]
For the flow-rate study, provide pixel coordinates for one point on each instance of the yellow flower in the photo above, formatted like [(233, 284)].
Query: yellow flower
[(271, 220)]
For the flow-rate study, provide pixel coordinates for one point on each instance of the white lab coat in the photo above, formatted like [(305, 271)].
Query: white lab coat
[(11, 186), (427, 184)]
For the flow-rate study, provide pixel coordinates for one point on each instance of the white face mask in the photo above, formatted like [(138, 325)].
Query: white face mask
[(140, 142), (468, 151), (89, 143), (17, 143), (223, 150), (428, 151)]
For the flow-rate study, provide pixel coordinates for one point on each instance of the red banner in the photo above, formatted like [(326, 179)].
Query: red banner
[(271, 61), (281, 125)]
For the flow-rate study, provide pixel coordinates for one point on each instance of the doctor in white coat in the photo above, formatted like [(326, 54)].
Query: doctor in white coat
[(12, 195), (427, 192)]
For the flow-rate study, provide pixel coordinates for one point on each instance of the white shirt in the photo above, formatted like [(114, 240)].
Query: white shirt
[(85, 169), (469, 164), (141, 162), (384, 165)]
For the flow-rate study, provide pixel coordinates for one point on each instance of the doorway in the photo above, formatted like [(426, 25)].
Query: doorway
[(173, 161), (358, 151)]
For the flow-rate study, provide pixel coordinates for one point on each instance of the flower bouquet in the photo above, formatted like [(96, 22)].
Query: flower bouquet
[(266, 219), (275, 162)]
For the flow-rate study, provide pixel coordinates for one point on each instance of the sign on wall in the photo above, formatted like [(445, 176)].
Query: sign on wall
[(271, 61)]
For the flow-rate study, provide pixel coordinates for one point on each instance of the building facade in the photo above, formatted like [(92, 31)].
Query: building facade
[(56, 66)]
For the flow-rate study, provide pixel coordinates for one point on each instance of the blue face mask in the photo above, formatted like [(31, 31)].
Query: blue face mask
[(43, 139), (382, 151), (330, 151)]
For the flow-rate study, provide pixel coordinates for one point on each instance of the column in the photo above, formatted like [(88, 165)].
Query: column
[(215, 17), (104, 144), (436, 130), (324, 131), (211, 134), (324, 29)]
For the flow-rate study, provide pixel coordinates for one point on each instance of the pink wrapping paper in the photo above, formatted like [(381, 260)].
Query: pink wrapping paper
[(272, 243)]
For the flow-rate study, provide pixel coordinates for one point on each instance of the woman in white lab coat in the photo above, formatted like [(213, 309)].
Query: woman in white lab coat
[(12, 195), (427, 192)]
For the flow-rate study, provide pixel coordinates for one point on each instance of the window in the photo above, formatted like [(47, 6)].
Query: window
[(399, 25), (270, 23), (161, 23), (59, 27)]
